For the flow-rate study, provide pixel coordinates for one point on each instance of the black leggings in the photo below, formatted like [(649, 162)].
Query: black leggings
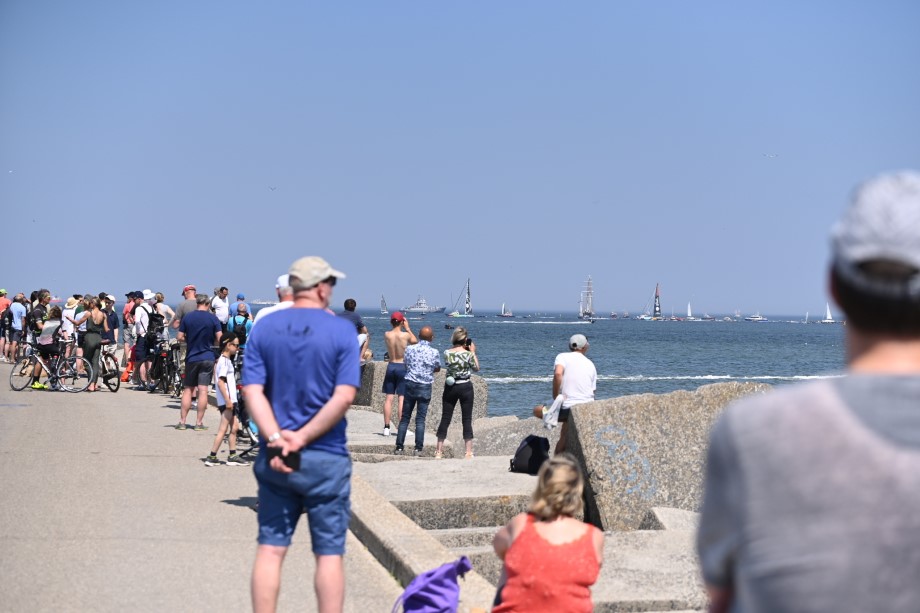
[(462, 392), (92, 343)]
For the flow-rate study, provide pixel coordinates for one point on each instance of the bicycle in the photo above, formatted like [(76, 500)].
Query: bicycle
[(162, 368), (63, 373), (108, 367), (247, 427)]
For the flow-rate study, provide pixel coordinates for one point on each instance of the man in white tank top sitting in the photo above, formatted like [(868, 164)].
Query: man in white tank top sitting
[(812, 492)]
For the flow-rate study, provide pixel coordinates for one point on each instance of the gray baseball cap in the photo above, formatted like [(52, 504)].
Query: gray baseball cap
[(882, 223)]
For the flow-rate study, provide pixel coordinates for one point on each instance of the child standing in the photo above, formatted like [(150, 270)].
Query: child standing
[(225, 385)]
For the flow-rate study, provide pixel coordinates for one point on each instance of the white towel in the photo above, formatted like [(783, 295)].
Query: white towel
[(551, 417)]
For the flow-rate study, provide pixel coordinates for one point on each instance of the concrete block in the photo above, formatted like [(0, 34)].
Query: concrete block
[(371, 397), (663, 518), (405, 549), (502, 439), (465, 537), (443, 513), (646, 450), (649, 571)]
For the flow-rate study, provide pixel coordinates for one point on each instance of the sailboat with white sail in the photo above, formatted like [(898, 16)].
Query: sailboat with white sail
[(828, 318), (505, 312), (467, 304), (690, 316), (383, 306), (586, 302)]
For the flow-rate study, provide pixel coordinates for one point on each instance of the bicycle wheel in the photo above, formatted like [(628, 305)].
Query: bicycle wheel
[(68, 374), (21, 375), (110, 375)]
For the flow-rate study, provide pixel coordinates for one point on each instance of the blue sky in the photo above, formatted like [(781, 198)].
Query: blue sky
[(706, 146)]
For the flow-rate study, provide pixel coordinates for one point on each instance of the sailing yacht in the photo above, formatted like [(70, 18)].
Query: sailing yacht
[(828, 318), (383, 306), (690, 316), (505, 312), (467, 305), (586, 302), (652, 313)]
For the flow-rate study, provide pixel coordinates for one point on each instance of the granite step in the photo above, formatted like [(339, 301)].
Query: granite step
[(465, 537)]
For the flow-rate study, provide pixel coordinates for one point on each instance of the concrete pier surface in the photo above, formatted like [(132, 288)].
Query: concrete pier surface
[(106, 507)]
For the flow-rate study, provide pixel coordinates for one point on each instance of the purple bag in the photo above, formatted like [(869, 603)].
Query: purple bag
[(435, 591)]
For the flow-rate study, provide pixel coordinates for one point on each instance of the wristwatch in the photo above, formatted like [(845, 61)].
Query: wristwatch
[(274, 437)]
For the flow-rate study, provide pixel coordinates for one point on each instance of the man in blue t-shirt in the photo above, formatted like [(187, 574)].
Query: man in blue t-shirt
[(201, 331), (300, 375)]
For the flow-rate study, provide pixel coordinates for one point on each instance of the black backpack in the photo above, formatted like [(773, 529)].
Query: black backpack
[(155, 325), (239, 328), (530, 455)]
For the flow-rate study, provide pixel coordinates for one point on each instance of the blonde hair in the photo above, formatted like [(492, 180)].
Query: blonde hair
[(160, 297), (559, 489), (459, 336)]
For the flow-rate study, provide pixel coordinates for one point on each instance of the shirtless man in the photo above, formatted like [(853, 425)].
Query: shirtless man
[(395, 380)]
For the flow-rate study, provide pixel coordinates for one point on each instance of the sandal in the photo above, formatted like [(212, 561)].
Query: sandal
[(438, 455), (469, 454)]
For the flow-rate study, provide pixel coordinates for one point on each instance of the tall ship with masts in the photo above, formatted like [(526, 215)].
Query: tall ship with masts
[(586, 303)]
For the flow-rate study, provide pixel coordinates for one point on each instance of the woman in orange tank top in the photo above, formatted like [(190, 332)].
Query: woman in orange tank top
[(551, 559)]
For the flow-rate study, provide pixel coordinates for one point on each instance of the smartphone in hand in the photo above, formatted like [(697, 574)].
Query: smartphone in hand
[(292, 460)]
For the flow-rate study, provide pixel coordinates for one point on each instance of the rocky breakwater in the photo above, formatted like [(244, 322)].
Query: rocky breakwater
[(370, 397), (647, 451)]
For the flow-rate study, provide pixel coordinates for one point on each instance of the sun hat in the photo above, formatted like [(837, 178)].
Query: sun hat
[(880, 225), (2, 292), (71, 303), (397, 316), (578, 341), (148, 295), (283, 281), (110, 298), (240, 297), (311, 270)]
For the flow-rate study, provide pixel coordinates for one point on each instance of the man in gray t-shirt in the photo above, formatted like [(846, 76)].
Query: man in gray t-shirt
[(185, 307), (812, 492)]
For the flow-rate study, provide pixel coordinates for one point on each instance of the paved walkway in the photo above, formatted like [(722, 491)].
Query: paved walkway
[(106, 507)]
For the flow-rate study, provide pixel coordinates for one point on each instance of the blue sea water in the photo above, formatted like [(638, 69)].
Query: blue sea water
[(631, 356)]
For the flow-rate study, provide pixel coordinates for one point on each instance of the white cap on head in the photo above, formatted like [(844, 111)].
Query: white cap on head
[(148, 295), (283, 281), (311, 270), (578, 341), (881, 224)]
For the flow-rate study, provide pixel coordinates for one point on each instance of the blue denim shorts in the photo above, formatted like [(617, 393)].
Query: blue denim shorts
[(322, 488), (394, 381)]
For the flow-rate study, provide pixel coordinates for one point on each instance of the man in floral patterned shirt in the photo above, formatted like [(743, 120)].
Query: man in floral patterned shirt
[(422, 361)]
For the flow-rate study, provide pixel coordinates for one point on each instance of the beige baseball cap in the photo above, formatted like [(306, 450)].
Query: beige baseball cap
[(308, 271)]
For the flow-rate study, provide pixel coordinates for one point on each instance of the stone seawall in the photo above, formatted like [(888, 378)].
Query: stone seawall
[(647, 450)]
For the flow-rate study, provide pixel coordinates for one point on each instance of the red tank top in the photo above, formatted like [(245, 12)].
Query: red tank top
[(542, 576)]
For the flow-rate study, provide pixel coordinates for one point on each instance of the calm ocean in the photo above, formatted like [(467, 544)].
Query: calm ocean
[(634, 357)]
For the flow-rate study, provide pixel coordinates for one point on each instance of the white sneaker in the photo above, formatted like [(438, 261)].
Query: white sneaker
[(386, 431)]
